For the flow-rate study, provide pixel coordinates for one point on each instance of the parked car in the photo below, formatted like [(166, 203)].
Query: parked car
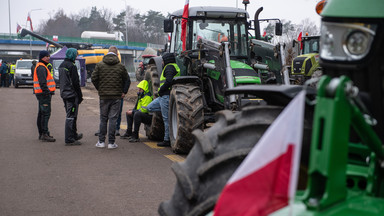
[(23, 74)]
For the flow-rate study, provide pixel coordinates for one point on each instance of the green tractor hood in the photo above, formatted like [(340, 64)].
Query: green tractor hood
[(354, 8), (244, 74)]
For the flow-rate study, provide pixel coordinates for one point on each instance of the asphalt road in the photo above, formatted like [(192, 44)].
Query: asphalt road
[(40, 178)]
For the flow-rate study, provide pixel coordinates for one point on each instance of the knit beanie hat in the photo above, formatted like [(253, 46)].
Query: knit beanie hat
[(42, 54), (71, 54), (169, 58)]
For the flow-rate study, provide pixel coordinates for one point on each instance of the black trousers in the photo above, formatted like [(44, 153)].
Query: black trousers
[(71, 108), (44, 113), (137, 118)]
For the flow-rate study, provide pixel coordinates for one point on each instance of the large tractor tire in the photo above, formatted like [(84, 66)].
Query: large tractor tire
[(155, 131), (140, 73), (215, 156), (186, 113)]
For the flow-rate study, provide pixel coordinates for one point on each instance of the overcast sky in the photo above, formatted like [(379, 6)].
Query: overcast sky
[(294, 10)]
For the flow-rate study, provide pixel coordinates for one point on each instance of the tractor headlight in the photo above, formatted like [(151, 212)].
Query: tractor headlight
[(357, 43), (346, 41)]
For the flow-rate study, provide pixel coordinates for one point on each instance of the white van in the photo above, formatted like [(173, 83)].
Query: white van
[(23, 74)]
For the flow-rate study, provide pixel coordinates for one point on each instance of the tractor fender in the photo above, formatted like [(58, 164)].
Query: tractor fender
[(272, 94), (158, 61), (186, 79)]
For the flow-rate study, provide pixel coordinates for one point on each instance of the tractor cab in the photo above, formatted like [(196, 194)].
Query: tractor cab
[(310, 44), (218, 24), (306, 65)]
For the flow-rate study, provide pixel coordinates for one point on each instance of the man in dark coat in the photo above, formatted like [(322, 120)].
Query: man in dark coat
[(3, 72), (72, 96), (44, 87), (109, 78)]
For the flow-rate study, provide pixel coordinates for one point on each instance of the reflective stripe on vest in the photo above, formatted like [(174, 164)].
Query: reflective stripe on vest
[(13, 67), (162, 78), (50, 81)]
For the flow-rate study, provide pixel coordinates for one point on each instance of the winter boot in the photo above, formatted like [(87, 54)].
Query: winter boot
[(47, 138), (79, 136), (134, 137), (165, 143), (126, 135)]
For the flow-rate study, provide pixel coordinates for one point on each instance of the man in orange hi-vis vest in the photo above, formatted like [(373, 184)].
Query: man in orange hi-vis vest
[(44, 87)]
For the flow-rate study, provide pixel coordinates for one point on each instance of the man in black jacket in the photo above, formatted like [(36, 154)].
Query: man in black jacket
[(72, 96), (161, 103)]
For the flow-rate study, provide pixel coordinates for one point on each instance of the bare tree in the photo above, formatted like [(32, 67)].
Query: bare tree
[(61, 25)]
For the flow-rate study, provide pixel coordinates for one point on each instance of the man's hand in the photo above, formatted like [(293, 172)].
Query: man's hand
[(129, 112), (122, 95)]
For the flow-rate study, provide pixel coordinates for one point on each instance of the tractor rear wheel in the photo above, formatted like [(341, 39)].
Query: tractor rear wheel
[(140, 73), (155, 131), (186, 113), (215, 156)]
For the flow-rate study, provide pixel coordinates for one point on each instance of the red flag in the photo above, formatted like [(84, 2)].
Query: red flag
[(299, 38), (267, 178), (30, 21), (184, 24), (18, 28), (264, 34)]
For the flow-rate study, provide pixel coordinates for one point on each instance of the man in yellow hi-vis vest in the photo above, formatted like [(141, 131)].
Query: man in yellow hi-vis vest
[(12, 74), (161, 103)]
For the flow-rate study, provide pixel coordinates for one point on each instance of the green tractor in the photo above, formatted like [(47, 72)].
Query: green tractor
[(306, 65), (217, 58), (342, 155)]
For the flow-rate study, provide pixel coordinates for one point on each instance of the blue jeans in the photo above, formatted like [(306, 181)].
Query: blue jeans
[(161, 104), (109, 111), (11, 79)]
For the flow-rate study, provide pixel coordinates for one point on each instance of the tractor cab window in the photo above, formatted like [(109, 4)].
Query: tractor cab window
[(178, 46), (222, 31), (311, 46)]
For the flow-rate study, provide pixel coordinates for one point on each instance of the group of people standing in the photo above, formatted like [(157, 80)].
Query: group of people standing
[(7, 73), (112, 82)]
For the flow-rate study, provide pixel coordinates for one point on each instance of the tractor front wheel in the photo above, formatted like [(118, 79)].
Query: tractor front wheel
[(185, 115)]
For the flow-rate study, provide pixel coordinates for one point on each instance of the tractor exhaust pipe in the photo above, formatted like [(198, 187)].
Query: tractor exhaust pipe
[(229, 73), (257, 23), (25, 32)]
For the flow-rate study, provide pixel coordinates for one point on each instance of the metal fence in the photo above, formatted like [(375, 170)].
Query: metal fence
[(4, 36)]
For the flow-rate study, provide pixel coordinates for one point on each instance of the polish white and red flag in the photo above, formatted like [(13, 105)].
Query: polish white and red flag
[(18, 28), (184, 22), (267, 178), (30, 21)]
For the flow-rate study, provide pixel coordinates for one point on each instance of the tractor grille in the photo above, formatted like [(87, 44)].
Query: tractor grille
[(245, 72), (297, 64)]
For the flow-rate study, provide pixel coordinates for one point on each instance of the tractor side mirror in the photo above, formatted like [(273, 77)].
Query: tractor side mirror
[(168, 26), (279, 29)]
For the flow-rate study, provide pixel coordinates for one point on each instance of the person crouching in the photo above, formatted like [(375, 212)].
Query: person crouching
[(139, 114)]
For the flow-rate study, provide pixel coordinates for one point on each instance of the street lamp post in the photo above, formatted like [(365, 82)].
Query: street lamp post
[(30, 37), (9, 13), (126, 24)]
